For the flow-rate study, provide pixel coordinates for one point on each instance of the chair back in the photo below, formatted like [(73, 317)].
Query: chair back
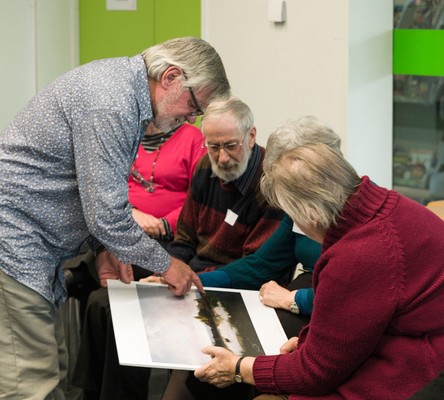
[(437, 207)]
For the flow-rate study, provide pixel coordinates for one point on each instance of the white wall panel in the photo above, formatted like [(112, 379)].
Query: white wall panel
[(331, 58), (18, 79), (38, 42)]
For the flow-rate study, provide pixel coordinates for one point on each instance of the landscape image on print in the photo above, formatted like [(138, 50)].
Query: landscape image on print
[(177, 328)]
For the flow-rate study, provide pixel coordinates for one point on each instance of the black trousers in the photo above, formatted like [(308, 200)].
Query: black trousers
[(293, 323)]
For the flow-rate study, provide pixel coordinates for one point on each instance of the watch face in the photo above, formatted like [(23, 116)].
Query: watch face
[(294, 308), (238, 378)]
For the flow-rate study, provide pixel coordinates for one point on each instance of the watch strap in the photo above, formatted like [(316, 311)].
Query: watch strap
[(237, 376)]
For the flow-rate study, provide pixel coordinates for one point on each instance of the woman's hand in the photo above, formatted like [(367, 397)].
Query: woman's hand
[(151, 225), (220, 370), (276, 296), (289, 346)]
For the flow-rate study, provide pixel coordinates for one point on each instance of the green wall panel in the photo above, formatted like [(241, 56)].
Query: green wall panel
[(175, 18), (418, 52), (106, 34)]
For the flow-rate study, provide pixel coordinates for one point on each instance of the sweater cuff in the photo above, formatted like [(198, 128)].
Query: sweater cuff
[(305, 301), (215, 279), (263, 373)]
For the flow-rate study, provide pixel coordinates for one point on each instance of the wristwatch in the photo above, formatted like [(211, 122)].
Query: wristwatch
[(294, 308), (237, 376)]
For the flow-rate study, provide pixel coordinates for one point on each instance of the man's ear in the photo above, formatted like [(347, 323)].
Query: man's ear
[(252, 136), (170, 75)]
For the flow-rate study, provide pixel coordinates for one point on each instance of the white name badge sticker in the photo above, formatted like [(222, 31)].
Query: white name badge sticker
[(296, 229), (231, 217)]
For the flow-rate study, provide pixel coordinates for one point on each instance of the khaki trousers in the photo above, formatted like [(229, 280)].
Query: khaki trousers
[(271, 397), (34, 359)]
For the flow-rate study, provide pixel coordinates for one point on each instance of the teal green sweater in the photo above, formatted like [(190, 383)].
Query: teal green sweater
[(276, 257)]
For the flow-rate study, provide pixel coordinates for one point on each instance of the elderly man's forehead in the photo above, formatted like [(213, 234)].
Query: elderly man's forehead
[(222, 124)]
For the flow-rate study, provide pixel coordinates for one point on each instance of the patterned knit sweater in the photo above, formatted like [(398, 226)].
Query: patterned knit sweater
[(377, 328), (204, 240)]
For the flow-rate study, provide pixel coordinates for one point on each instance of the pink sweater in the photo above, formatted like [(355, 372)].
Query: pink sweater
[(377, 328), (172, 174)]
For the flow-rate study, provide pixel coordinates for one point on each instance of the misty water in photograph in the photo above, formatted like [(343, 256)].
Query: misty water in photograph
[(230, 324)]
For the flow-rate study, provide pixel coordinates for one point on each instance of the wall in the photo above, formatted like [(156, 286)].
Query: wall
[(125, 33), (38, 41), (331, 58), (369, 129), (57, 38)]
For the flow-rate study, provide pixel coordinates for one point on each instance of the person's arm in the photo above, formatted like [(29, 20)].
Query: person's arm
[(216, 278), (275, 257), (104, 147), (227, 368), (304, 299), (278, 255), (272, 260), (334, 340)]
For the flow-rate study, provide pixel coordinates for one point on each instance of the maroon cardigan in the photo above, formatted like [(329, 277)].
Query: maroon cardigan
[(377, 328)]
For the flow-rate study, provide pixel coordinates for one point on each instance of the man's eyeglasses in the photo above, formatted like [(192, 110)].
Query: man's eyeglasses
[(229, 147), (198, 109)]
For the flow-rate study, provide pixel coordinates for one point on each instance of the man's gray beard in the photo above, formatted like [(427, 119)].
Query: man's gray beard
[(231, 175), (163, 121), (167, 124)]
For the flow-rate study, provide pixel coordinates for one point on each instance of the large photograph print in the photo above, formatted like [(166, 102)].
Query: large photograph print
[(154, 328)]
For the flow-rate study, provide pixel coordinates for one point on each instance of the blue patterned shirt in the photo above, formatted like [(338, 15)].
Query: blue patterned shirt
[(64, 166)]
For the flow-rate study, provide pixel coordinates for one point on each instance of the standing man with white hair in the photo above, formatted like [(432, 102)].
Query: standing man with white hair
[(64, 166)]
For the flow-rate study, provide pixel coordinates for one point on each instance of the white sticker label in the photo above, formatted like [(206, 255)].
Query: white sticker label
[(296, 229), (231, 217)]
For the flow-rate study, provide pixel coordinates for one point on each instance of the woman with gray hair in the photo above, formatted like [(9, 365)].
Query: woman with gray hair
[(376, 331), (294, 133)]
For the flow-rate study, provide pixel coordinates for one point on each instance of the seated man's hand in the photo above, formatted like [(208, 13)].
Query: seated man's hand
[(179, 277), (152, 279), (109, 267)]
